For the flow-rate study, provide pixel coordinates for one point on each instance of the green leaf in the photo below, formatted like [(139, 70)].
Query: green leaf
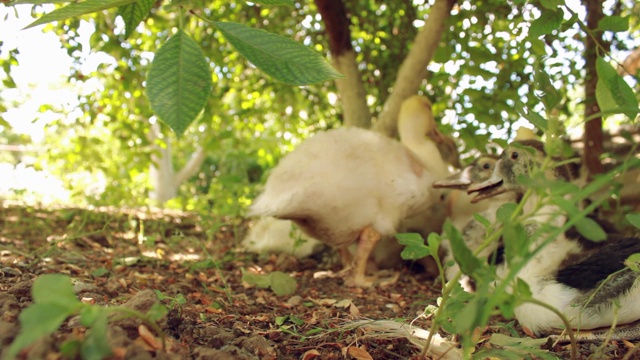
[(482, 220), (89, 315), (4, 123), (461, 253), (282, 284), (259, 280), (534, 118), (274, 2), (133, 14), (516, 240), (505, 211), (179, 82), (633, 219), (95, 346), (414, 246), (101, 271), (55, 289), (612, 89), (77, 9), (546, 23), (633, 262), (590, 229), (279, 57), (614, 23), (434, 240), (550, 96), (522, 343), (523, 289), (157, 311), (551, 4), (465, 320), (36, 321), (39, 2)]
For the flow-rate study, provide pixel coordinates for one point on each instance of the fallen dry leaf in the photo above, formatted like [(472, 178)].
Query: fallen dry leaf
[(311, 354), (359, 353), (148, 338)]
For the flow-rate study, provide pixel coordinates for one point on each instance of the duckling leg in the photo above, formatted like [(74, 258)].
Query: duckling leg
[(366, 242)]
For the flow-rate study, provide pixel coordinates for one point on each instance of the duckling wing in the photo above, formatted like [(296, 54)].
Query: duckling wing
[(340, 181), (585, 273)]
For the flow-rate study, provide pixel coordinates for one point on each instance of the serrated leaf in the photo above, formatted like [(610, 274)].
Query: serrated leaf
[(77, 9), (461, 253), (179, 82), (55, 289), (612, 86), (133, 14), (279, 57), (546, 23), (633, 219), (36, 321), (614, 23), (282, 284), (414, 246)]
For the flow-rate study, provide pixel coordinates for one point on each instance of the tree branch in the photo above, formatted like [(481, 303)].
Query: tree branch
[(593, 127), (414, 67), (350, 88)]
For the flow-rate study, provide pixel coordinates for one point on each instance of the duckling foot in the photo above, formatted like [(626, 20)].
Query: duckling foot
[(360, 281), (366, 242)]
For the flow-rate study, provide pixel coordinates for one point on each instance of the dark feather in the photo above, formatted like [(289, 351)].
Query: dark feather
[(585, 271)]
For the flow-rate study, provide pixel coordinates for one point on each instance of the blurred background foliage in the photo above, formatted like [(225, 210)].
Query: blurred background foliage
[(484, 66)]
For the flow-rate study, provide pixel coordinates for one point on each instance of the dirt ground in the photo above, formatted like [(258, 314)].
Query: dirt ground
[(119, 257)]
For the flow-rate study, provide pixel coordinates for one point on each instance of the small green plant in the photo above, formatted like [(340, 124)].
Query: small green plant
[(175, 302), (281, 283), (54, 301)]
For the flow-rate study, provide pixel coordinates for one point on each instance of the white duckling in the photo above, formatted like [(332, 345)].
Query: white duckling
[(588, 283), (352, 185)]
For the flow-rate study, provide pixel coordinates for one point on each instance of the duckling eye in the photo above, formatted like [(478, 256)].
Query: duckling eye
[(514, 155), (486, 166)]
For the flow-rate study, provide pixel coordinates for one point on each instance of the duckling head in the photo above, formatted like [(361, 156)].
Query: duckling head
[(416, 120), (476, 172), (518, 159)]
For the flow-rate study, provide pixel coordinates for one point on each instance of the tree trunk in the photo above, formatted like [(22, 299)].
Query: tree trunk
[(164, 180), (413, 69), (350, 88), (593, 127)]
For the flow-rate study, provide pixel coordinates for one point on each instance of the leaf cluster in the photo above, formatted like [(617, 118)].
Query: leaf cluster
[(53, 302)]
